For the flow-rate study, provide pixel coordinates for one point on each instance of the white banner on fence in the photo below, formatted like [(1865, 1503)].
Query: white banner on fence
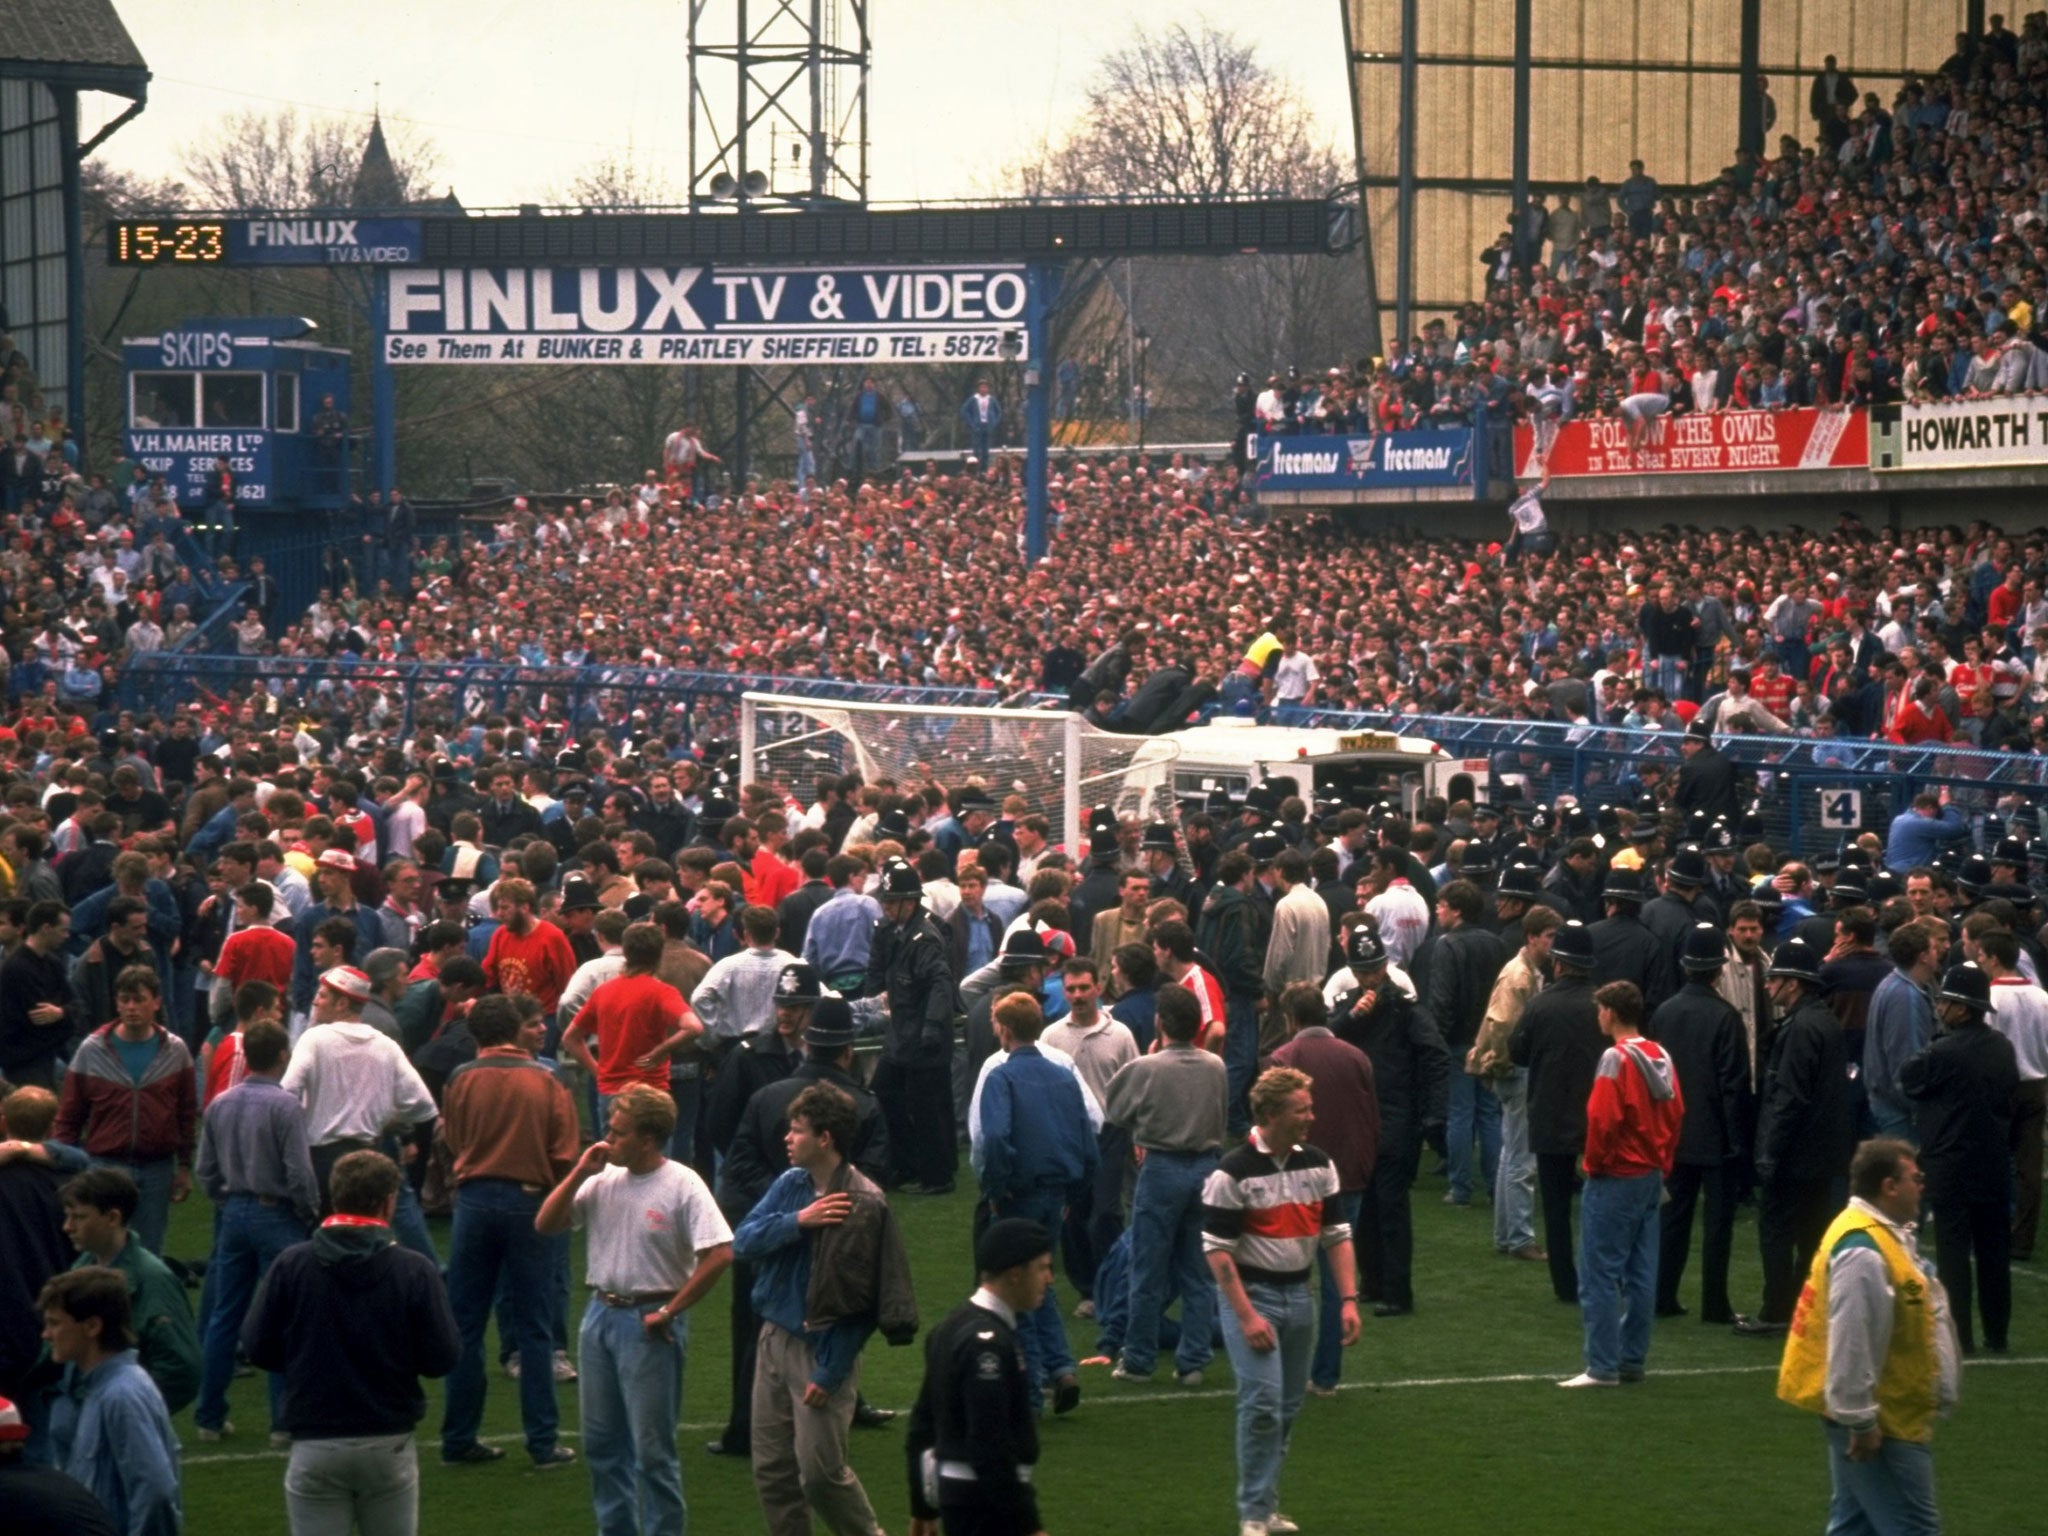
[(1974, 434)]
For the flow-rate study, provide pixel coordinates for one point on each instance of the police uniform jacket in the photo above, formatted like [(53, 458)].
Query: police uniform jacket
[(1704, 1037), (757, 1155), (908, 962), (1558, 1039), (1805, 1129), (1624, 950), (973, 1415), (1411, 1066)]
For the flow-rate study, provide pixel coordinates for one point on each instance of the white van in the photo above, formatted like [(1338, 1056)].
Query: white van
[(1356, 767)]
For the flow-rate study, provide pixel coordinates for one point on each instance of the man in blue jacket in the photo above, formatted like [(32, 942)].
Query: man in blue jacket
[(806, 1378), (1918, 834), (1035, 1150)]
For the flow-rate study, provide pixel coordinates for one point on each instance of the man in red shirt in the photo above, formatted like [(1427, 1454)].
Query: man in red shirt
[(258, 949), (771, 877), (630, 1015), (526, 954), (1632, 1121)]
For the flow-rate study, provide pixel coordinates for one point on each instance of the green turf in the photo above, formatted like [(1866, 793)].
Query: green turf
[(1426, 1437)]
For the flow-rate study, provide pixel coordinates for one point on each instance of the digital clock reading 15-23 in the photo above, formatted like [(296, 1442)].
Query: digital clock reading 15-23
[(142, 243)]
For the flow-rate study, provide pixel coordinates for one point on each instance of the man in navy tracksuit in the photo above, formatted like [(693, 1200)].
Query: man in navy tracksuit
[(1035, 1150)]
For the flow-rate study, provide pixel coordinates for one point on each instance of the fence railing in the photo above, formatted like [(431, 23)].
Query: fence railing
[(1806, 793)]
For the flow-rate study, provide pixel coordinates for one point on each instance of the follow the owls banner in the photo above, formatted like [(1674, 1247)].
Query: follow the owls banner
[(677, 315)]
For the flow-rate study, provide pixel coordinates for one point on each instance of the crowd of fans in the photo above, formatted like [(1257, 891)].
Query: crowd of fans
[(1901, 255)]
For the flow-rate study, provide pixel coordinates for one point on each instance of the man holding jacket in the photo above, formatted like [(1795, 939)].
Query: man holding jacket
[(807, 1372)]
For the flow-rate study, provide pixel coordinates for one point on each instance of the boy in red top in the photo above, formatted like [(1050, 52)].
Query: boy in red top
[(1632, 1120), (526, 954), (256, 950), (630, 1015)]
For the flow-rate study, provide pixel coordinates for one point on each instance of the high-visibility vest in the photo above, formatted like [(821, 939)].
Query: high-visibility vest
[(1908, 1381)]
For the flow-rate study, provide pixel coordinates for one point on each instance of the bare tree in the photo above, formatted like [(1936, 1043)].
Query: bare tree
[(619, 184), (1183, 115), (278, 160)]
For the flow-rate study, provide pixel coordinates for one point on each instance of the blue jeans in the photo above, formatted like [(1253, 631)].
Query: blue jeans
[(1514, 1180), (557, 1300), (630, 1395), (1892, 1495), (153, 1178), (1043, 1333), (1474, 1110), (1618, 1240), (249, 1238), (1328, 1365), (493, 1238), (409, 1223), (1166, 1255), (1270, 1387), (1240, 1057), (1895, 1123)]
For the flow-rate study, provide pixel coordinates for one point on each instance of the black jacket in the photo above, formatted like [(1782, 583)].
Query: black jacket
[(32, 1237), (1462, 967), (1707, 783), (1572, 896), (671, 827), (1962, 1087), (761, 1057), (908, 962), (1670, 918), (1559, 1041), (975, 1407), (757, 1155), (502, 823), (352, 1321), (796, 911), (1704, 1038), (1233, 933), (1805, 1130), (1411, 1066), (1624, 950)]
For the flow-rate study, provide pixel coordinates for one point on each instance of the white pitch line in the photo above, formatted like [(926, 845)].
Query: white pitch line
[(1130, 1399)]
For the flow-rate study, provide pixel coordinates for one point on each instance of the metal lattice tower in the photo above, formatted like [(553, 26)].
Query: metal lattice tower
[(778, 102)]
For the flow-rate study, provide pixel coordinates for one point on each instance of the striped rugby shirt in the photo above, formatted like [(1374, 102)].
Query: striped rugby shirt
[(1272, 1213)]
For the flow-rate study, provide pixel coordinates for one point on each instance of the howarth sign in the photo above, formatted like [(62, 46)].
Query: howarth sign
[(1973, 434), (675, 315)]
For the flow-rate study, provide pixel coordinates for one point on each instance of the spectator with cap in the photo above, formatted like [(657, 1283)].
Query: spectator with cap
[(38, 1500), (1411, 1070), (353, 1079), (1703, 1036), (109, 1427), (1963, 1086), (1804, 1133)]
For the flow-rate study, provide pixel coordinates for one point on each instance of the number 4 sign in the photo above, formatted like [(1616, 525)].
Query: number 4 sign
[(1841, 810)]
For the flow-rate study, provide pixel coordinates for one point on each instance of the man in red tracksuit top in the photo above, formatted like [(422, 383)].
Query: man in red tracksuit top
[(1632, 1120)]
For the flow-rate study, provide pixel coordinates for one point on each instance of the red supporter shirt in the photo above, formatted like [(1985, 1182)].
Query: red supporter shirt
[(630, 1015), (1634, 1111), (257, 954), (1774, 693), (539, 962), (771, 879)]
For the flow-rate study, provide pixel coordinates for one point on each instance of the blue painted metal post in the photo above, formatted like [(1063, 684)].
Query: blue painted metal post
[(383, 393), (1041, 288)]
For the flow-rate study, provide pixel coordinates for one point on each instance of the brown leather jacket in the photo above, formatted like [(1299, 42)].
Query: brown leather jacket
[(859, 1268)]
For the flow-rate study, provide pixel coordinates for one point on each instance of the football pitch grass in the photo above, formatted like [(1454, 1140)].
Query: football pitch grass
[(1449, 1422)]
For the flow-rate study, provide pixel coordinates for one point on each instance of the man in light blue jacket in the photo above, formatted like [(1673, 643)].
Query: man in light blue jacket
[(108, 1425)]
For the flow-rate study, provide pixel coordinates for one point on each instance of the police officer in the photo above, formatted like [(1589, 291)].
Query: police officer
[(1704, 1037), (1671, 916), (973, 1441), (1411, 1069), (1559, 1040), (907, 964), (1804, 1133), (1623, 949)]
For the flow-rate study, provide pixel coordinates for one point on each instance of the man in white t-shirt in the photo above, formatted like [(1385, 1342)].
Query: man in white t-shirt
[(1397, 907), (657, 1244), (1294, 675)]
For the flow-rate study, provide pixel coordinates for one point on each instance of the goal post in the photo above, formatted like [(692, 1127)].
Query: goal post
[(1061, 766)]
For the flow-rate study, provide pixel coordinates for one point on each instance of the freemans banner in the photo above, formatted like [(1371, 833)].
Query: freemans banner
[(1391, 461), (1705, 442), (1973, 434), (746, 315)]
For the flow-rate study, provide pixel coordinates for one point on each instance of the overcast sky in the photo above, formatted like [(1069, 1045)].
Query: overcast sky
[(521, 95)]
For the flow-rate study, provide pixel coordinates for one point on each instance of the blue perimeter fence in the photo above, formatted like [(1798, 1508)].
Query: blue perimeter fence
[(1809, 794)]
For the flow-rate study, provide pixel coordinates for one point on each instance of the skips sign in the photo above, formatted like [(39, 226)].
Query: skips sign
[(677, 315)]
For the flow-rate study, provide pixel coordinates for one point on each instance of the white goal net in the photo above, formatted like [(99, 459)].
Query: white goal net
[(1061, 767)]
